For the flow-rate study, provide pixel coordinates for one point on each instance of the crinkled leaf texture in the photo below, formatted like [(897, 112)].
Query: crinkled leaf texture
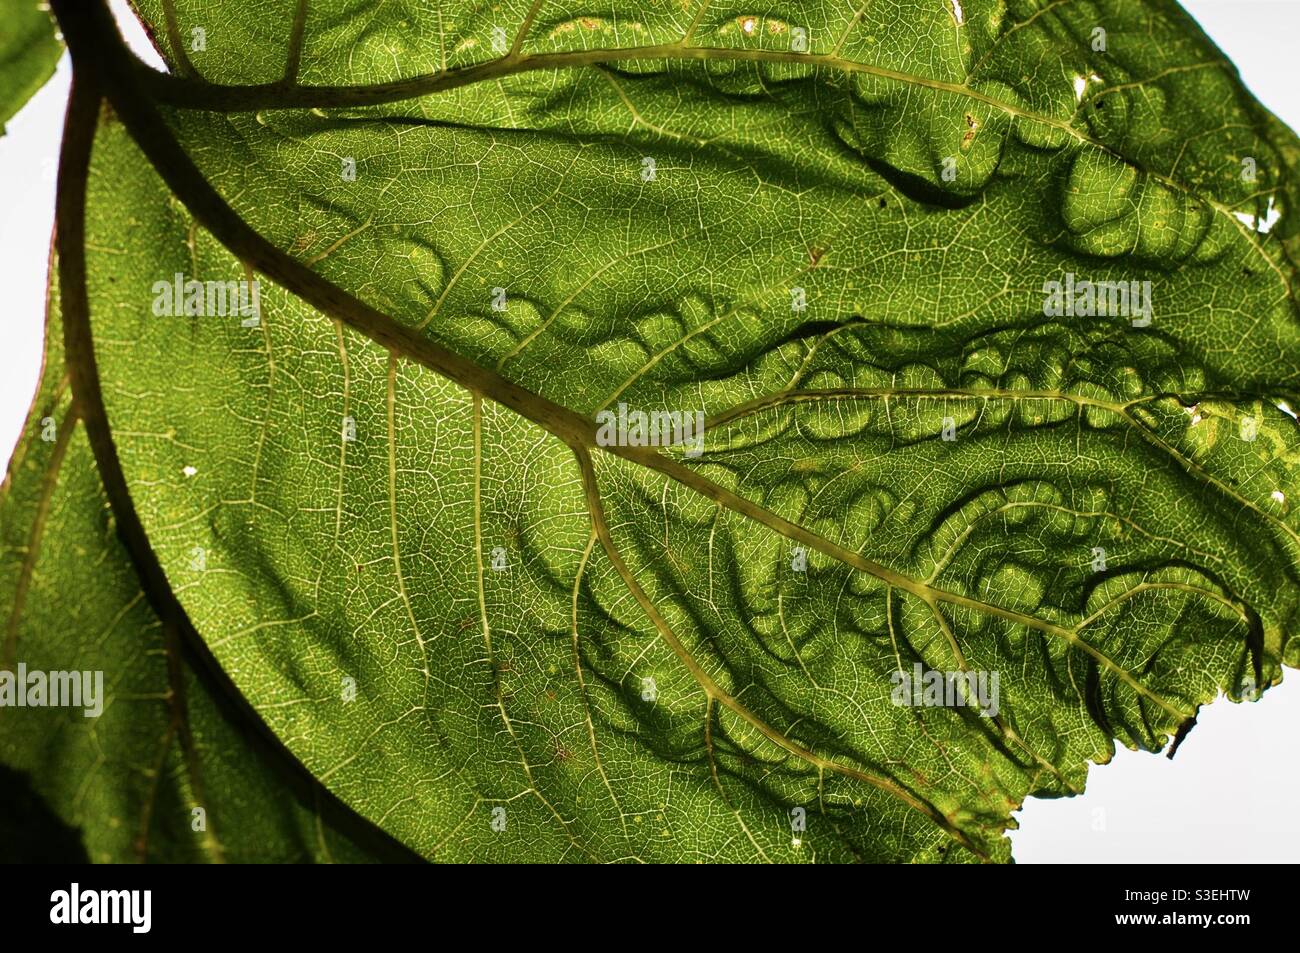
[(561, 651)]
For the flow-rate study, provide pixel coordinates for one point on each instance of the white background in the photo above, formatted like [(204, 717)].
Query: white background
[(1230, 795)]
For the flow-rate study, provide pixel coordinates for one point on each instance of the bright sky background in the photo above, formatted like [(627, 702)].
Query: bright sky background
[(1230, 795)]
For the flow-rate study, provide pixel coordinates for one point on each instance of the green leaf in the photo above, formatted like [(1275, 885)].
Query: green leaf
[(29, 51), (169, 739), (565, 650)]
